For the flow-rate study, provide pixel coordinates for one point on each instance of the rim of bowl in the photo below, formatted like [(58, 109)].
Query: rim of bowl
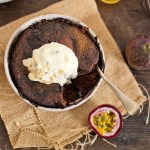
[(5, 1), (26, 25)]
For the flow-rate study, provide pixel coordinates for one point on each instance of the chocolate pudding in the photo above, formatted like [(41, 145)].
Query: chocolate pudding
[(75, 37)]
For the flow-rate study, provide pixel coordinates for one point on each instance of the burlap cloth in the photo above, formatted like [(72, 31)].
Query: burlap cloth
[(29, 127)]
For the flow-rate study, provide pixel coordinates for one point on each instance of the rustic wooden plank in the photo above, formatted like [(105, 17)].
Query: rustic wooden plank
[(16, 9), (125, 20)]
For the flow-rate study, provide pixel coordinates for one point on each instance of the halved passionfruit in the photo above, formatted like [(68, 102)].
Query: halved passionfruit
[(106, 121)]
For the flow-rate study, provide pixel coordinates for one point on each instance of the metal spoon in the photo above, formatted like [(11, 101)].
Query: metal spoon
[(132, 107)]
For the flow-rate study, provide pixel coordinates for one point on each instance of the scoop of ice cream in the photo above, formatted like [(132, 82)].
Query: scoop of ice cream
[(52, 63)]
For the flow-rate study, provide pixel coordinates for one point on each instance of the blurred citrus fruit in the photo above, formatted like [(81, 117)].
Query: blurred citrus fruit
[(110, 1)]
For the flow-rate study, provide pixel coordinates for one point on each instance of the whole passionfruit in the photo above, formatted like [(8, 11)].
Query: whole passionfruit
[(106, 121), (138, 52)]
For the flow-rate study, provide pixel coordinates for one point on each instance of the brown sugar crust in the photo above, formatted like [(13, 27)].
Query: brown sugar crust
[(64, 32)]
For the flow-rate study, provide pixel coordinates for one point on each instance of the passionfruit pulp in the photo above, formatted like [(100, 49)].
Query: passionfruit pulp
[(106, 121)]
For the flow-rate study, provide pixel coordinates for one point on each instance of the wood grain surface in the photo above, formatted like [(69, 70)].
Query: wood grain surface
[(125, 20)]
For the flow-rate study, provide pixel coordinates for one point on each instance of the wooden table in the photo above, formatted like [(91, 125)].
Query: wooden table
[(125, 20)]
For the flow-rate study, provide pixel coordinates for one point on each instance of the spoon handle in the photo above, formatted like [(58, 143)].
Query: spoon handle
[(131, 106)]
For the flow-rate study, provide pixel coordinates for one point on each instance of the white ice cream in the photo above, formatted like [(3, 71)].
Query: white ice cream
[(52, 63)]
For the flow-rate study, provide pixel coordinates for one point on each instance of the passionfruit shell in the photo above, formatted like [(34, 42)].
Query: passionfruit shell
[(119, 120)]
